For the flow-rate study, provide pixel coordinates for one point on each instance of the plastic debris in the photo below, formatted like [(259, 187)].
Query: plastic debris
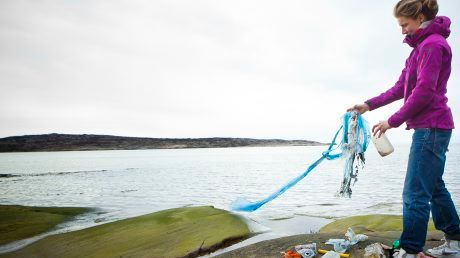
[(394, 248), (383, 145), (374, 250), (307, 253), (331, 254), (342, 245), (321, 251), (291, 254), (306, 250), (396, 244), (353, 238), (306, 246)]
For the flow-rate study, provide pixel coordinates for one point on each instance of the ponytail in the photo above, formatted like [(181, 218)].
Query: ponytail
[(413, 8)]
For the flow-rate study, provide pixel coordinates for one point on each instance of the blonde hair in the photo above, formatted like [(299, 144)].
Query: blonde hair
[(413, 8)]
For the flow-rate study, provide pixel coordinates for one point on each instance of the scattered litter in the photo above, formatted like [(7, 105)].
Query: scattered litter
[(307, 250), (307, 253), (301, 251), (321, 251), (342, 245), (396, 244), (306, 246), (291, 254), (374, 250), (353, 238), (331, 254), (394, 248)]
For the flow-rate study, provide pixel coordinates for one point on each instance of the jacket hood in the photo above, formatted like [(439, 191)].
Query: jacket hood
[(439, 25)]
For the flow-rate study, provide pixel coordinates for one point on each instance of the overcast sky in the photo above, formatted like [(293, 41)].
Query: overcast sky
[(259, 69)]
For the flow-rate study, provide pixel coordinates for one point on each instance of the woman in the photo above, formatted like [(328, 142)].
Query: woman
[(422, 84)]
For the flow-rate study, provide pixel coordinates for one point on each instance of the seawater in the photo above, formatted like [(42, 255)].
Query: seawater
[(126, 183)]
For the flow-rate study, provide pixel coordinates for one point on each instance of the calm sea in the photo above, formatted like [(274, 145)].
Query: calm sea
[(127, 183)]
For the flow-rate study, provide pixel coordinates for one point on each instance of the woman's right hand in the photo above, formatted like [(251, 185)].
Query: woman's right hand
[(361, 108)]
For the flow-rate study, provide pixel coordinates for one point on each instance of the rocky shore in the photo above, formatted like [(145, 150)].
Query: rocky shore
[(181, 232), (272, 248), (382, 229)]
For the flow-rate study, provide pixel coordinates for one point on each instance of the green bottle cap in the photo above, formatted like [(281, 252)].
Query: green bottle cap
[(396, 244)]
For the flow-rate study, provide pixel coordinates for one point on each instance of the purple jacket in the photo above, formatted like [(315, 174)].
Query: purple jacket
[(423, 81)]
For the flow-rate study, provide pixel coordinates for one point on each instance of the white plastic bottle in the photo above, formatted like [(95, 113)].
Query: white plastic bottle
[(383, 145)]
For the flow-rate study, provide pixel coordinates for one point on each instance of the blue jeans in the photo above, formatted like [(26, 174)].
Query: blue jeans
[(424, 189)]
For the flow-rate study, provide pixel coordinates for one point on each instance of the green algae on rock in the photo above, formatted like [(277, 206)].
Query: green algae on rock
[(20, 222), (360, 224), (180, 232)]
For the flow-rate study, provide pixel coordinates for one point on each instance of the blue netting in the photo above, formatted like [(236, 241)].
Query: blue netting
[(355, 139)]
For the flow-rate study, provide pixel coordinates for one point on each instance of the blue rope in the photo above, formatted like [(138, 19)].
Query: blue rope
[(362, 130)]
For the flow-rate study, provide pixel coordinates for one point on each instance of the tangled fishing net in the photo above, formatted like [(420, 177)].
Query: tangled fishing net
[(352, 146)]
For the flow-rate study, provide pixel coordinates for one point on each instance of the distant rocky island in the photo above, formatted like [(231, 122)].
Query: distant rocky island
[(83, 142)]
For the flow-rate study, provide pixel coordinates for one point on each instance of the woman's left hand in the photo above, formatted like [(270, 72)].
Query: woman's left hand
[(380, 128)]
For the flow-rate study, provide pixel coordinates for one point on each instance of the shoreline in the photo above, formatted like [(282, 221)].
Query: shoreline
[(270, 229), (261, 230), (270, 235), (174, 148), (85, 142)]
